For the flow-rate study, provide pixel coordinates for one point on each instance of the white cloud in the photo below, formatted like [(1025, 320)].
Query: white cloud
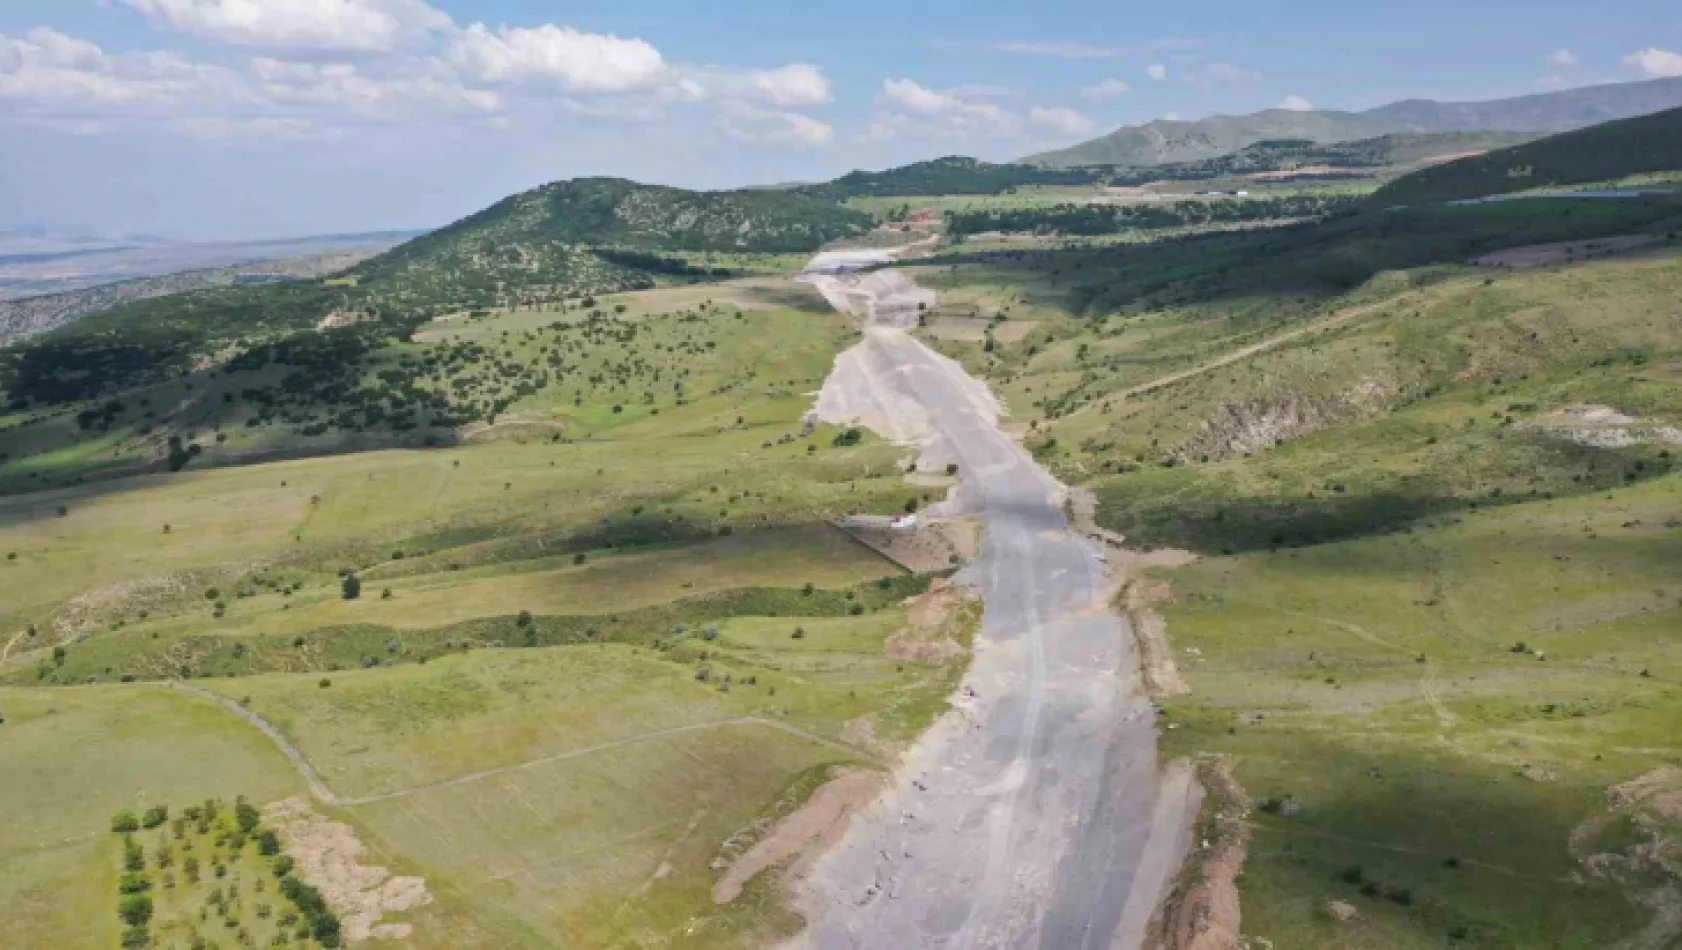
[(912, 109), (1060, 120), (1108, 89), (1295, 103), (468, 77), (305, 26), (1061, 50), (1157, 71), (1068, 50), (775, 127), (1655, 63), (801, 84), (916, 97), (1562, 58), (580, 62)]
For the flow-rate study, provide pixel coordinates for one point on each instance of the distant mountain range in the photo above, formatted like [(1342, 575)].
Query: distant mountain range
[(1165, 141), (36, 261)]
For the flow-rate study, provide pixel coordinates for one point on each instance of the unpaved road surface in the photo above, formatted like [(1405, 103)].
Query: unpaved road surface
[(1034, 815)]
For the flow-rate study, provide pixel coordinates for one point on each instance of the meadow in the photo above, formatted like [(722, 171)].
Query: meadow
[(551, 665), (1434, 619)]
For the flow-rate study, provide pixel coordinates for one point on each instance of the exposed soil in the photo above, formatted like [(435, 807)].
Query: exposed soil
[(926, 640), (1649, 870), (1546, 255), (1603, 427), (328, 856), (1201, 911), (1157, 671), (1285, 174), (919, 550), (807, 832)]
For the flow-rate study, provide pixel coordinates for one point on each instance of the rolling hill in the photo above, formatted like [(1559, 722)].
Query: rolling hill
[(951, 175), (1163, 141), (1649, 143), (595, 234)]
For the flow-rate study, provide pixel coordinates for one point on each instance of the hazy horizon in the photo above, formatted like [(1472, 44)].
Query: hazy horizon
[(244, 120)]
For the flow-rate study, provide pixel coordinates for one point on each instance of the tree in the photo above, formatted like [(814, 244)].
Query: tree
[(135, 909), (155, 816), (352, 587), (124, 822), (246, 816)]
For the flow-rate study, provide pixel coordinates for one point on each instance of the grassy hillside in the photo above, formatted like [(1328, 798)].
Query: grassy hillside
[(1170, 141), (953, 175), (1360, 157), (1095, 219), (1435, 506), (595, 234), (1650, 143), (617, 580)]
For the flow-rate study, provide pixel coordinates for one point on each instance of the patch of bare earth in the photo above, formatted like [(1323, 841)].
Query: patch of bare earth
[(1650, 870), (97, 607), (1603, 427), (928, 637), (803, 835), (1201, 911), (1285, 174), (1244, 427), (1136, 596), (919, 549), (1565, 252), (328, 858)]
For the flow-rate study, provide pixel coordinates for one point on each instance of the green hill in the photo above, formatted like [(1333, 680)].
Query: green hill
[(1367, 155), (952, 175), (1164, 141), (1650, 143)]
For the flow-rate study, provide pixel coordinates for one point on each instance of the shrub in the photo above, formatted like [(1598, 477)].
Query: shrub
[(246, 816), (351, 586), (135, 909), (155, 816), (133, 882), (124, 821)]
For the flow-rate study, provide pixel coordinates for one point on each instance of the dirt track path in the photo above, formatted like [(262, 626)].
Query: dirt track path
[(318, 787), (1245, 352)]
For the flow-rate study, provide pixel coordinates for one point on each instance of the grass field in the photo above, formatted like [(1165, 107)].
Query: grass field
[(1437, 614), (1376, 682), (73, 757), (600, 632)]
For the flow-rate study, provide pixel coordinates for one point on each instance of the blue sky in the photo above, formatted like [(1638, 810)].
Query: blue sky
[(245, 118)]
